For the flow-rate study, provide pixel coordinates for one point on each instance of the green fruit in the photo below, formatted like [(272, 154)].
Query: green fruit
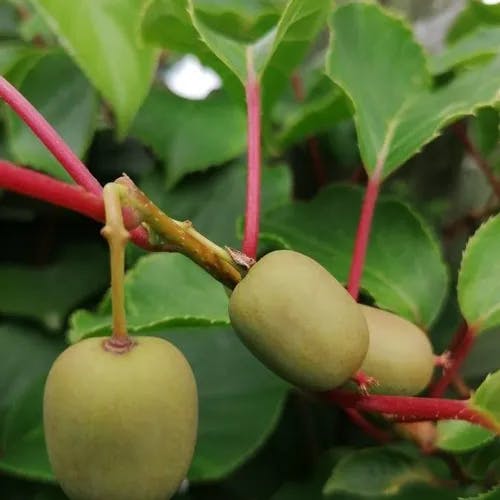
[(120, 426), (400, 355), (299, 321)]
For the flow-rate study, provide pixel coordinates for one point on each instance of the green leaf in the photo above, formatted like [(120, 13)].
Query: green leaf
[(161, 290), (240, 400), (25, 355), (375, 471), (485, 41), (493, 494), (404, 271), (457, 436), (10, 54), (319, 112), (474, 15), (57, 88), (23, 444), (485, 130), (479, 277), (366, 45), (48, 294), (223, 193), (191, 135), (487, 397), (273, 56), (243, 20), (101, 35)]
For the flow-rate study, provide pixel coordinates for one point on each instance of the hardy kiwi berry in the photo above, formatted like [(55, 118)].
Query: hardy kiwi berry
[(400, 355), (299, 321), (120, 425)]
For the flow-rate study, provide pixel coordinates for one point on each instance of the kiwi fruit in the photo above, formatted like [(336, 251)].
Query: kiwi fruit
[(400, 355), (295, 317), (120, 425)]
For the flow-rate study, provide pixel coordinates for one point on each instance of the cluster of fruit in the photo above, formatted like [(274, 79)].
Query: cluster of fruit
[(120, 421)]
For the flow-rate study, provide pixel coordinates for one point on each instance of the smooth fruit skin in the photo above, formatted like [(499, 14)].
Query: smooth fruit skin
[(120, 426), (299, 321), (400, 355)]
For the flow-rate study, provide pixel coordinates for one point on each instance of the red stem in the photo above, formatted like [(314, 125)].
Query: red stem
[(459, 349), (485, 167), (413, 409), (36, 185), (49, 137), (42, 187), (363, 235), (252, 210)]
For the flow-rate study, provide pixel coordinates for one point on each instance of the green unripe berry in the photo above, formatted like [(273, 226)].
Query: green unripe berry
[(400, 355), (120, 426), (299, 321)]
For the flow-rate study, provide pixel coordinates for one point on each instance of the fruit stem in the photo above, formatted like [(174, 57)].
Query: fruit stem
[(459, 349), (116, 234), (413, 409), (49, 137), (180, 236), (363, 234), (252, 209), (37, 185)]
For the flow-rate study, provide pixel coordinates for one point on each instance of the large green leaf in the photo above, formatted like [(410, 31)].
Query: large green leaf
[(404, 271), (101, 35), (223, 193), (10, 54), (273, 56), (49, 293), (240, 400), (25, 355), (23, 444), (57, 88), (25, 358), (191, 135), (162, 289), (485, 41), (479, 277), (373, 472), (369, 45)]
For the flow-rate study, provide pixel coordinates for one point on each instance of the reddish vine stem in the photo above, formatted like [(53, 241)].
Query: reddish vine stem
[(459, 350), (461, 133), (363, 234), (42, 187), (252, 209), (413, 409), (49, 137)]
